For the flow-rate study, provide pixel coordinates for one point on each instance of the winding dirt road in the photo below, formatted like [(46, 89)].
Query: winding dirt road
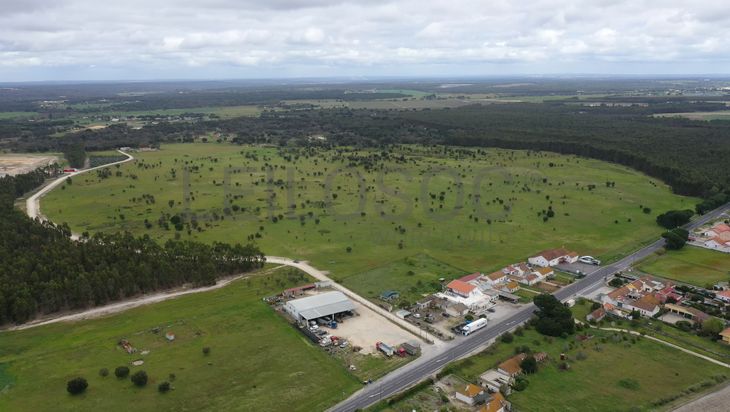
[(33, 203), (33, 209)]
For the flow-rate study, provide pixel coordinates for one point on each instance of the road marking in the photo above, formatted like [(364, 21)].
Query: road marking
[(440, 360)]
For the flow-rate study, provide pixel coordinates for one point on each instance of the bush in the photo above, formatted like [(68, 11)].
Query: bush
[(76, 386), (629, 383), (507, 337), (140, 378), (103, 372), (520, 384), (674, 218), (121, 372), (684, 325), (163, 387), (206, 350), (529, 365)]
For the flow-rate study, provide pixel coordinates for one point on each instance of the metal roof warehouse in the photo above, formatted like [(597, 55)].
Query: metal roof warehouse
[(319, 306)]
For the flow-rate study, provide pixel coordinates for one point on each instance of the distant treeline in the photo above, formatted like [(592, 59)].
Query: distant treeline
[(43, 271), (691, 156)]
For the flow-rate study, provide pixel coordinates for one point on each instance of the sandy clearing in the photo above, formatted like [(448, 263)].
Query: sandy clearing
[(15, 164)]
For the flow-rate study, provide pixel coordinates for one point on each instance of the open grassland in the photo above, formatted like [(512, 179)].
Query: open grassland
[(350, 211), (225, 112), (660, 330), (693, 265), (616, 373), (420, 271), (257, 361), (18, 115), (718, 115)]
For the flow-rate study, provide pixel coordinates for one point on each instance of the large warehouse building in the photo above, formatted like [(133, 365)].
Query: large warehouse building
[(319, 306)]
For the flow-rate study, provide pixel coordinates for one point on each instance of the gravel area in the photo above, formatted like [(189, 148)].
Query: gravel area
[(714, 402)]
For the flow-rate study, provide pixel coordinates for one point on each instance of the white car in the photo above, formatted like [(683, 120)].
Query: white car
[(590, 260)]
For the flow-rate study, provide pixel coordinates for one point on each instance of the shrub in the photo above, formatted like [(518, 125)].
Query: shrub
[(121, 372), (520, 384), (206, 350), (507, 337), (529, 365), (163, 387), (629, 383), (76, 386), (103, 372), (140, 378)]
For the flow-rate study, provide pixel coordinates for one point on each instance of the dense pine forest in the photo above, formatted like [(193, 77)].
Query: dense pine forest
[(43, 271)]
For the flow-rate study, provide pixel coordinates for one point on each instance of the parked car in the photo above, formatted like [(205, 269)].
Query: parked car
[(589, 260)]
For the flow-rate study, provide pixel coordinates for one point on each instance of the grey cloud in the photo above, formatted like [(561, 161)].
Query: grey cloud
[(373, 37)]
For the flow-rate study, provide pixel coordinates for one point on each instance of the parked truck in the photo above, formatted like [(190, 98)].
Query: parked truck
[(386, 349), (474, 326), (411, 349)]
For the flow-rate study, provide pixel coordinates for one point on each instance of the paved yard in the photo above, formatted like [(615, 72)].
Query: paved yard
[(575, 267), (368, 328)]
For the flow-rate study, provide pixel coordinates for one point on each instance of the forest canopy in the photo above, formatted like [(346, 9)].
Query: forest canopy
[(43, 271)]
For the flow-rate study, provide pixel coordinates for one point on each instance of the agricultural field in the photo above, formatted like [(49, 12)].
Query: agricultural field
[(351, 211), (18, 115), (718, 115), (609, 372), (257, 361), (694, 265), (225, 112)]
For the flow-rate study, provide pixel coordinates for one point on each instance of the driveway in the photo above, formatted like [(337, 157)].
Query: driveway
[(575, 267)]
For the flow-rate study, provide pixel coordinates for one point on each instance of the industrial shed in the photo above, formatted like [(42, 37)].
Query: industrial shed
[(319, 306)]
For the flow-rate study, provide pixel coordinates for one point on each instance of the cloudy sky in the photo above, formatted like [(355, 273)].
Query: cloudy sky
[(184, 39)]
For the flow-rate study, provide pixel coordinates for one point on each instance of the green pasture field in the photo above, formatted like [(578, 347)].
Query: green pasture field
[(307, 203), (718, 115), (660, 330), (257, 360), (17, 115), (225, 112), (649, 369), (420, 271), (385, 104), (693, 265)]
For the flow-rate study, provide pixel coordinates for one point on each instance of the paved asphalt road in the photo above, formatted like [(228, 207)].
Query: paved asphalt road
[(421, 368)]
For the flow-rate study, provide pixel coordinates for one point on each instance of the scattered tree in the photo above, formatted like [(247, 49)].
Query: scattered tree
[(76, 386), (121, 372), (139, 378)]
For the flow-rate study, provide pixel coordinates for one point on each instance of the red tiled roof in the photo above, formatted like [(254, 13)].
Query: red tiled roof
[(551, 254), (512, 365), (648, 303), (460, 286), (471, 390), (494, 404), (469, 278), (496, 275), (598, 313), (724, 293), (544, 271), (720, 228)]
